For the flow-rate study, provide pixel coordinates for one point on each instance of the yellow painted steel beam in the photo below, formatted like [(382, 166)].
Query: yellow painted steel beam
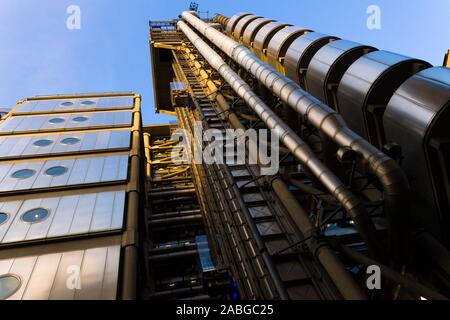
[(165, 46), (169, 113), (148, 167), (176, 173), (82, 95)]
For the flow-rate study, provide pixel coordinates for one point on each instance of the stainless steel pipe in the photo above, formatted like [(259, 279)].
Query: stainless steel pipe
[(326, 120), (290, 139)]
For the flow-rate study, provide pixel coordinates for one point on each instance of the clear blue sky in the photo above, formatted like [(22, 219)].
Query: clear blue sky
[(39, 55)]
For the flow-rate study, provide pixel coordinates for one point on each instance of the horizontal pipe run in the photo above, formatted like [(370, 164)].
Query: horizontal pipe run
[(171, 249), (170, 222), (156, 190), (174, 193), (172, 256), (175, 214), (177, 293)]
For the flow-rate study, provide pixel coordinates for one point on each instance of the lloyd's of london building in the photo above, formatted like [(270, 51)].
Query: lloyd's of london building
[(94, 206), (69, 187)]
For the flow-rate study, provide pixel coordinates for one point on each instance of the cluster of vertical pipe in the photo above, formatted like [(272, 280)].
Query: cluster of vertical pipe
[(304, 154), (327, 121)]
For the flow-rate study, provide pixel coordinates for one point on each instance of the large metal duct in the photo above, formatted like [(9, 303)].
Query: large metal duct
[(290, 139), (417, 118), (327, 67), (367, 86), (279, 44), (304, 154), (252, 29), (234, 21), (242, 24), (221, 20), (326, 120), (300, 53), (263, 37)]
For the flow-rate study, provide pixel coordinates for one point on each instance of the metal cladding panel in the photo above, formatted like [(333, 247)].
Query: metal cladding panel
[(252, 29), (242, 24), (79, 104), (78, 172), (68, 216), (372, 80), (233, 21), (301, 51), (329, 64), (280, 42), (409, 118), (40, 123), (264, 35), (22, 146), (47, 276)]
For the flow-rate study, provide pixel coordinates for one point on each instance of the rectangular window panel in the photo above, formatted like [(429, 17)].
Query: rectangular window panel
[(62, 173), (61, 122), (81, 104), (62, 216), (52, 144), (83, 274)]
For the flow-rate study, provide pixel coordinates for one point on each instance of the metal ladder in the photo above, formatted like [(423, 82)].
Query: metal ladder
[(300, 276)]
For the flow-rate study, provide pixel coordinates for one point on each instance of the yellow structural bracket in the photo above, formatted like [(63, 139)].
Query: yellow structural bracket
[(447, 59)]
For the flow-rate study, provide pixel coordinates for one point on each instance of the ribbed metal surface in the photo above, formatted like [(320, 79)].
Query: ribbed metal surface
[(68, 105), (300, 53), (44, 122), (329, 123), (68, 216), (79, 171), (252, 29), (242, 24), (299, 149), (329, 64), (46, 276), (19, 146), (372, 80), (417, 114), (280, 43), (234, 20), (264, 36)]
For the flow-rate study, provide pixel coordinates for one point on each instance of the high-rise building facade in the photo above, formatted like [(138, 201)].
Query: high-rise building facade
[(69, 197), (96, 205), (363, 157)]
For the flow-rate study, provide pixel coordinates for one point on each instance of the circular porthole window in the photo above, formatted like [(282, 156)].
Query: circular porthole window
[(56, 171), (70, 141), (88, 103), (9, 284), (23, 174), (3, 217), (56, 120), (35, 215), (67, 104), (80, 119), (42, 143)]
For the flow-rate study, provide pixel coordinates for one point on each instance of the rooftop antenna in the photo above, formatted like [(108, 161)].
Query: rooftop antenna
[(193, 6)]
